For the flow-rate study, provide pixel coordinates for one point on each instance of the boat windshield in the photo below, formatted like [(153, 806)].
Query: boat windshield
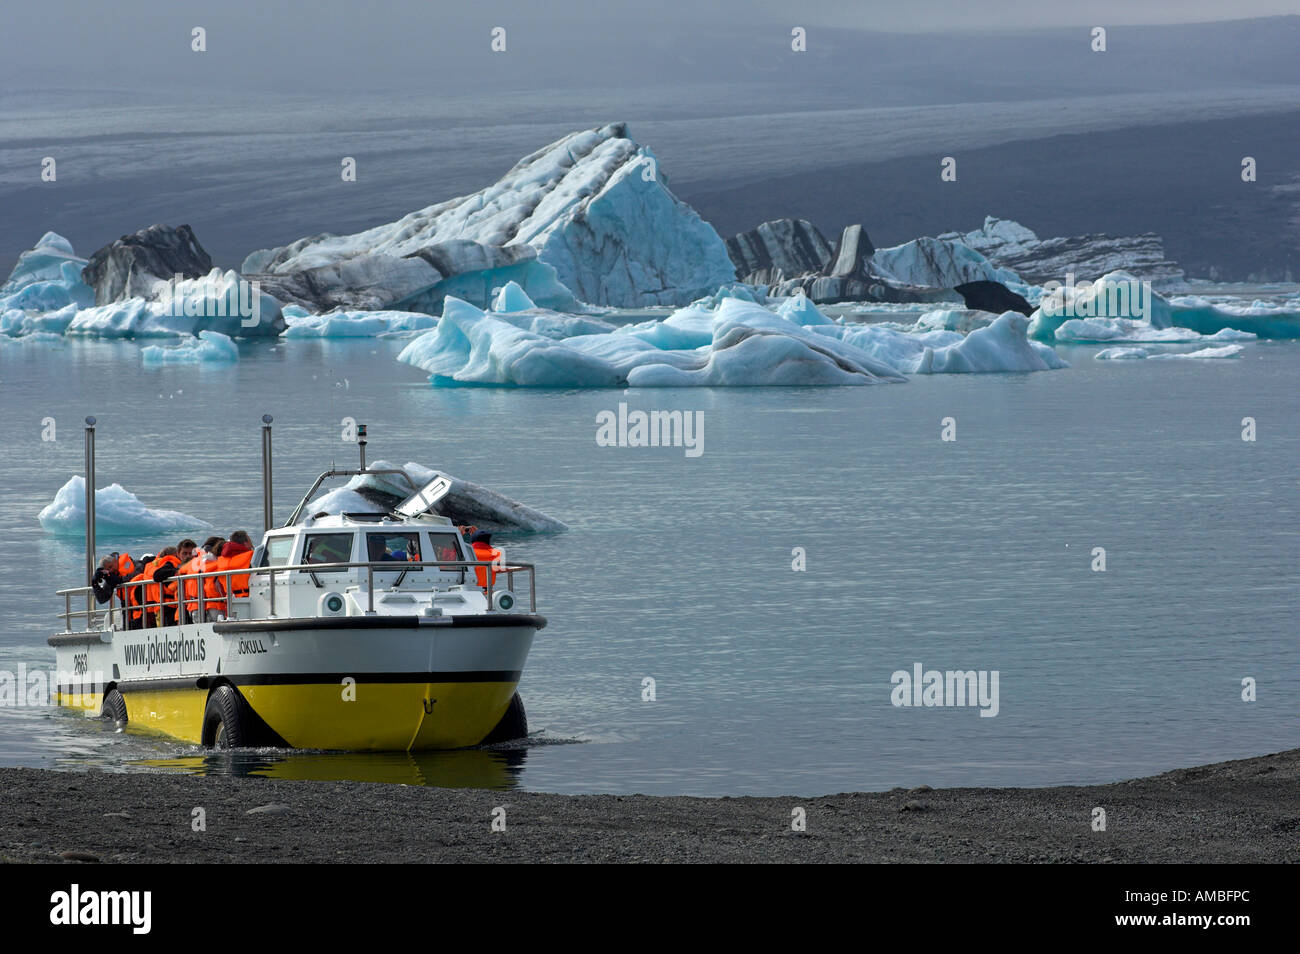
[(403, 547), (327, 548)]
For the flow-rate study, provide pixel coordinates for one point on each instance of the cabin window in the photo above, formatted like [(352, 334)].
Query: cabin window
[(328, 548), (393, 547), (444, 548), (277, 551)]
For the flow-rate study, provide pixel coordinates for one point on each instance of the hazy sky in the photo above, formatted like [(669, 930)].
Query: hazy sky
[(428, 45)]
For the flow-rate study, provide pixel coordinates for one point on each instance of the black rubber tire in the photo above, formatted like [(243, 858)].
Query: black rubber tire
[(513, 725), (224, 721), (113, 708)]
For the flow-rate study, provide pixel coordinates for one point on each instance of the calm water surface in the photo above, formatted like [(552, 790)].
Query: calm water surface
[(973, 554)]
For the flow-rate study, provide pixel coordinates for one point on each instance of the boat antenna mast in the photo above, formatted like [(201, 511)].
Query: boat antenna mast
[(267, 506), (361, 443)]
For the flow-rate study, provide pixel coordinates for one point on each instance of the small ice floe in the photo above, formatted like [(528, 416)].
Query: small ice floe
[(211, 347), (356, 324), (118, 512), (1129, 354)]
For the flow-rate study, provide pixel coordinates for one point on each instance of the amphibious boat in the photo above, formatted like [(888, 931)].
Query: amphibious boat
[(352, 631)]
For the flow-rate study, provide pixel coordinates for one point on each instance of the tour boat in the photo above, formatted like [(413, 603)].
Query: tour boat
[(351, 631)]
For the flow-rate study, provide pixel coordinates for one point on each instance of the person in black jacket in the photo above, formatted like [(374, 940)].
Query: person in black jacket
[(106, 579)]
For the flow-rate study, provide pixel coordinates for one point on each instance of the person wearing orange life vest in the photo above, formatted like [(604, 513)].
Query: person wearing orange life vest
[(485, 552), (135, 593), (236, 554), (190, 588), (165, 569), (214, 599)]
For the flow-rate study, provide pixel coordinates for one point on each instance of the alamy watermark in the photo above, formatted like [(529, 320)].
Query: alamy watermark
[(1123, 298), (624, 428), (242, 299), (931, 687)]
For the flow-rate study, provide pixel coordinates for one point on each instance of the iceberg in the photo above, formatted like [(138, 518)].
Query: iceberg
[(219, 301), (471, 347), (1127, 329), (1121, 354), (741, 344), (46, 279), (1227, 351), (16, 323), (936, 263), (1001, 347), (963, 321), (211, 347), (135, 265), (1011, 245), (511, 297), (1114, 295), (118, 512), (800, 310), (594, 207), (751, 347), (466, 503), (356, 324), (1262, 319)]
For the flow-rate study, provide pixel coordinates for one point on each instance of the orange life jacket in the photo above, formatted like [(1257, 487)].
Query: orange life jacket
[(485, 553), (238, 584), (213, 588), (153, 593), (125, 566), (191, 587), (133, 594)]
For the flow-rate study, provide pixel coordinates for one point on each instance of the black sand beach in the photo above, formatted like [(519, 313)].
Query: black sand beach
[(1241, 811)]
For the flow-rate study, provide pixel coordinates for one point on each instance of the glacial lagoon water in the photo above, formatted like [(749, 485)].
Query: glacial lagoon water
[(970, 554)]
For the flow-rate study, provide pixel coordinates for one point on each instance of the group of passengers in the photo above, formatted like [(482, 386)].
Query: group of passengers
[(147, 588), (154, 591)]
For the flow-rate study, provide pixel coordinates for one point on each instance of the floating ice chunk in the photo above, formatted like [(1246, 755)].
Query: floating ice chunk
[(939, 263), (52, 260), (465, 503), (17, 323), (553, 325), (751, 357), (800, 310), (47, 278), (1115, 295), (960, 320), (1126, 329), (1263, 319), (686, 328), (1121, 354), (219, 301), (118, 512), (741, 290), (1227, 351), (752, 347), (510, 297), (1001, 347), (470, 347), (212, 347), (357, 324)]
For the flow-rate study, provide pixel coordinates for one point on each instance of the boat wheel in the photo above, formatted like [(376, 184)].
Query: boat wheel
[(223, 719), (114, 708), (513, 725)]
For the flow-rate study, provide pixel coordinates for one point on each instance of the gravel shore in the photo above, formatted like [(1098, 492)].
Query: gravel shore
[(1243, 811)]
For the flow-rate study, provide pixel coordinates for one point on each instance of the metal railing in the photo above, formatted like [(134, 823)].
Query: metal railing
[(156, 610)]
